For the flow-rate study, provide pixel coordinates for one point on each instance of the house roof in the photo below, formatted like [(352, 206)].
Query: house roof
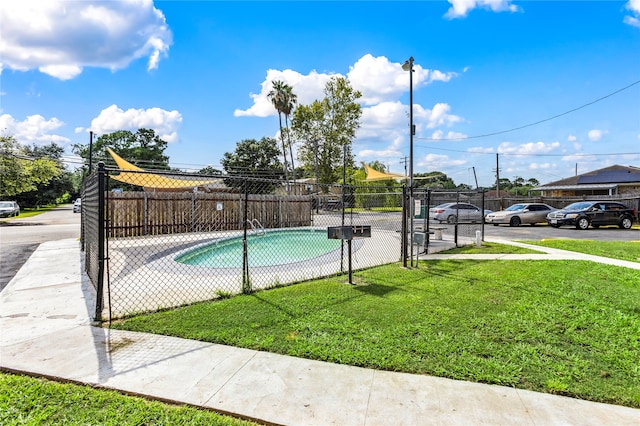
[(609, 175), (575, 187)]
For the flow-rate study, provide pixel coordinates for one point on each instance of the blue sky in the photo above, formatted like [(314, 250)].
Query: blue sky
[(198, 73)]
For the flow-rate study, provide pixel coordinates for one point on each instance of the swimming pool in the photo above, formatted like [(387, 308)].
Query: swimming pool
[(274, 247)]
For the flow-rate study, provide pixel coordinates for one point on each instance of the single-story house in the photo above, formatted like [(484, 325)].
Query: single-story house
[(612, 180)]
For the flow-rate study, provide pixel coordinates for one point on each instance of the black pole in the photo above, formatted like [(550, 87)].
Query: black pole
[(403, 227), (344, 181), (101, 242), (246, 282), (411, 204), (350, 266)]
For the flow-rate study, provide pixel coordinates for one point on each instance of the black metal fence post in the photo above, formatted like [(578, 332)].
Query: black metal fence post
[(101, 240), (403, 228), (246, 281)]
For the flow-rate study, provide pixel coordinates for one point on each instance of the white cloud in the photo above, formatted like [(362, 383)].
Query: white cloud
[(542, 166), (164, 123), (634, 18), (439, 162), (596, 134), (438, 116), (35, 129), (439, 134), (376, 78), (460, 8), (59, 38), (384, 121), (480, 150), (384, 117), (530, 148), (572, 138), (307, 88), (579, 158), (377, 154), (380, 80)]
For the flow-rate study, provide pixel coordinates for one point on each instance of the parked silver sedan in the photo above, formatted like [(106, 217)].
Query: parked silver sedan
[(457, 212), (520, 213)]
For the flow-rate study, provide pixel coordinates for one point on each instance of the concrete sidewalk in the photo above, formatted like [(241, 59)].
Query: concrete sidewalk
[(547, 254), (45, 329)]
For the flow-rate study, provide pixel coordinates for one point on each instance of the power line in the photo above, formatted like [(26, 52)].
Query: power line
[(537, 122), (509, 154)]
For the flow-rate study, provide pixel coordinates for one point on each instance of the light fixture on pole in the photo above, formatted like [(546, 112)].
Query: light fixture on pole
[(408, 66)]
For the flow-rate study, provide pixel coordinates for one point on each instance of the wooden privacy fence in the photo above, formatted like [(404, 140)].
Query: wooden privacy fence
[(134, 214)]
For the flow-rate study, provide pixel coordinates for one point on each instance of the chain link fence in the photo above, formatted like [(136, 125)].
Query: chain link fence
[(174, 239), (454, 215), (92, 233), (155, 240)]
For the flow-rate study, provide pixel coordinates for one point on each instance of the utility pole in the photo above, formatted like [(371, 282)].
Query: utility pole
[(405, 162), (497, 175), (474, 176), (498, 179)]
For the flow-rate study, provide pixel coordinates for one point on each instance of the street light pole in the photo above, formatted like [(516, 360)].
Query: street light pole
[(408, 66)]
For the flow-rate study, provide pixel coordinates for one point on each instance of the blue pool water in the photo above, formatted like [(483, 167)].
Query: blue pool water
[(278, 247)]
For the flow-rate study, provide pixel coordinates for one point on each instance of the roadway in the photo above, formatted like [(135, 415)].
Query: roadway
[(19, 237)]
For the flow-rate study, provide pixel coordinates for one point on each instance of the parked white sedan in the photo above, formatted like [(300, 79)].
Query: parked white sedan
[(520, 213)]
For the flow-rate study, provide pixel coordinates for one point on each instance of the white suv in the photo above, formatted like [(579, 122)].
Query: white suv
[(9, 209)]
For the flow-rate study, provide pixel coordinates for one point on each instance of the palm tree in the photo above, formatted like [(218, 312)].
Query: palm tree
[(278, 97), (290, 101)]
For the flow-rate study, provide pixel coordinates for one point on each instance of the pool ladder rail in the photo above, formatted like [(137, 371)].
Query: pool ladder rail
[(256, 226)]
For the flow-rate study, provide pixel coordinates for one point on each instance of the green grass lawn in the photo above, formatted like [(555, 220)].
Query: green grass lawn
[(623, 250), (30, 401), (27, 212), (564, 327), (491, 248)]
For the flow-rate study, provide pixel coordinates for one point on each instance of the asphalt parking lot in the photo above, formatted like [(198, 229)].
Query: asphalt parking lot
[(541, 232)]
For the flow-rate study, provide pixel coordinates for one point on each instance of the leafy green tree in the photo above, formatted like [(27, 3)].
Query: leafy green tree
[(256, 159), (143, 148), (208, 170), (59, 189), (433, 180), (21, 172), (327, 130), (505, 184), (307, 127)]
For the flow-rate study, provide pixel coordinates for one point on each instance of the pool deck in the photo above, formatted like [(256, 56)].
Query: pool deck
[(146, 268)]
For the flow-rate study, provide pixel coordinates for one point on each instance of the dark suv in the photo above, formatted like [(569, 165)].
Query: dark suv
[(594, 213)]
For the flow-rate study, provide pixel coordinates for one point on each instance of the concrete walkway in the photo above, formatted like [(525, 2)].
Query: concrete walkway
[(45, 329), (547, 254)]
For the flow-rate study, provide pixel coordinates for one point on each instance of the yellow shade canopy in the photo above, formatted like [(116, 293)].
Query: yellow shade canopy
[(373, 175), (136, 176)]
